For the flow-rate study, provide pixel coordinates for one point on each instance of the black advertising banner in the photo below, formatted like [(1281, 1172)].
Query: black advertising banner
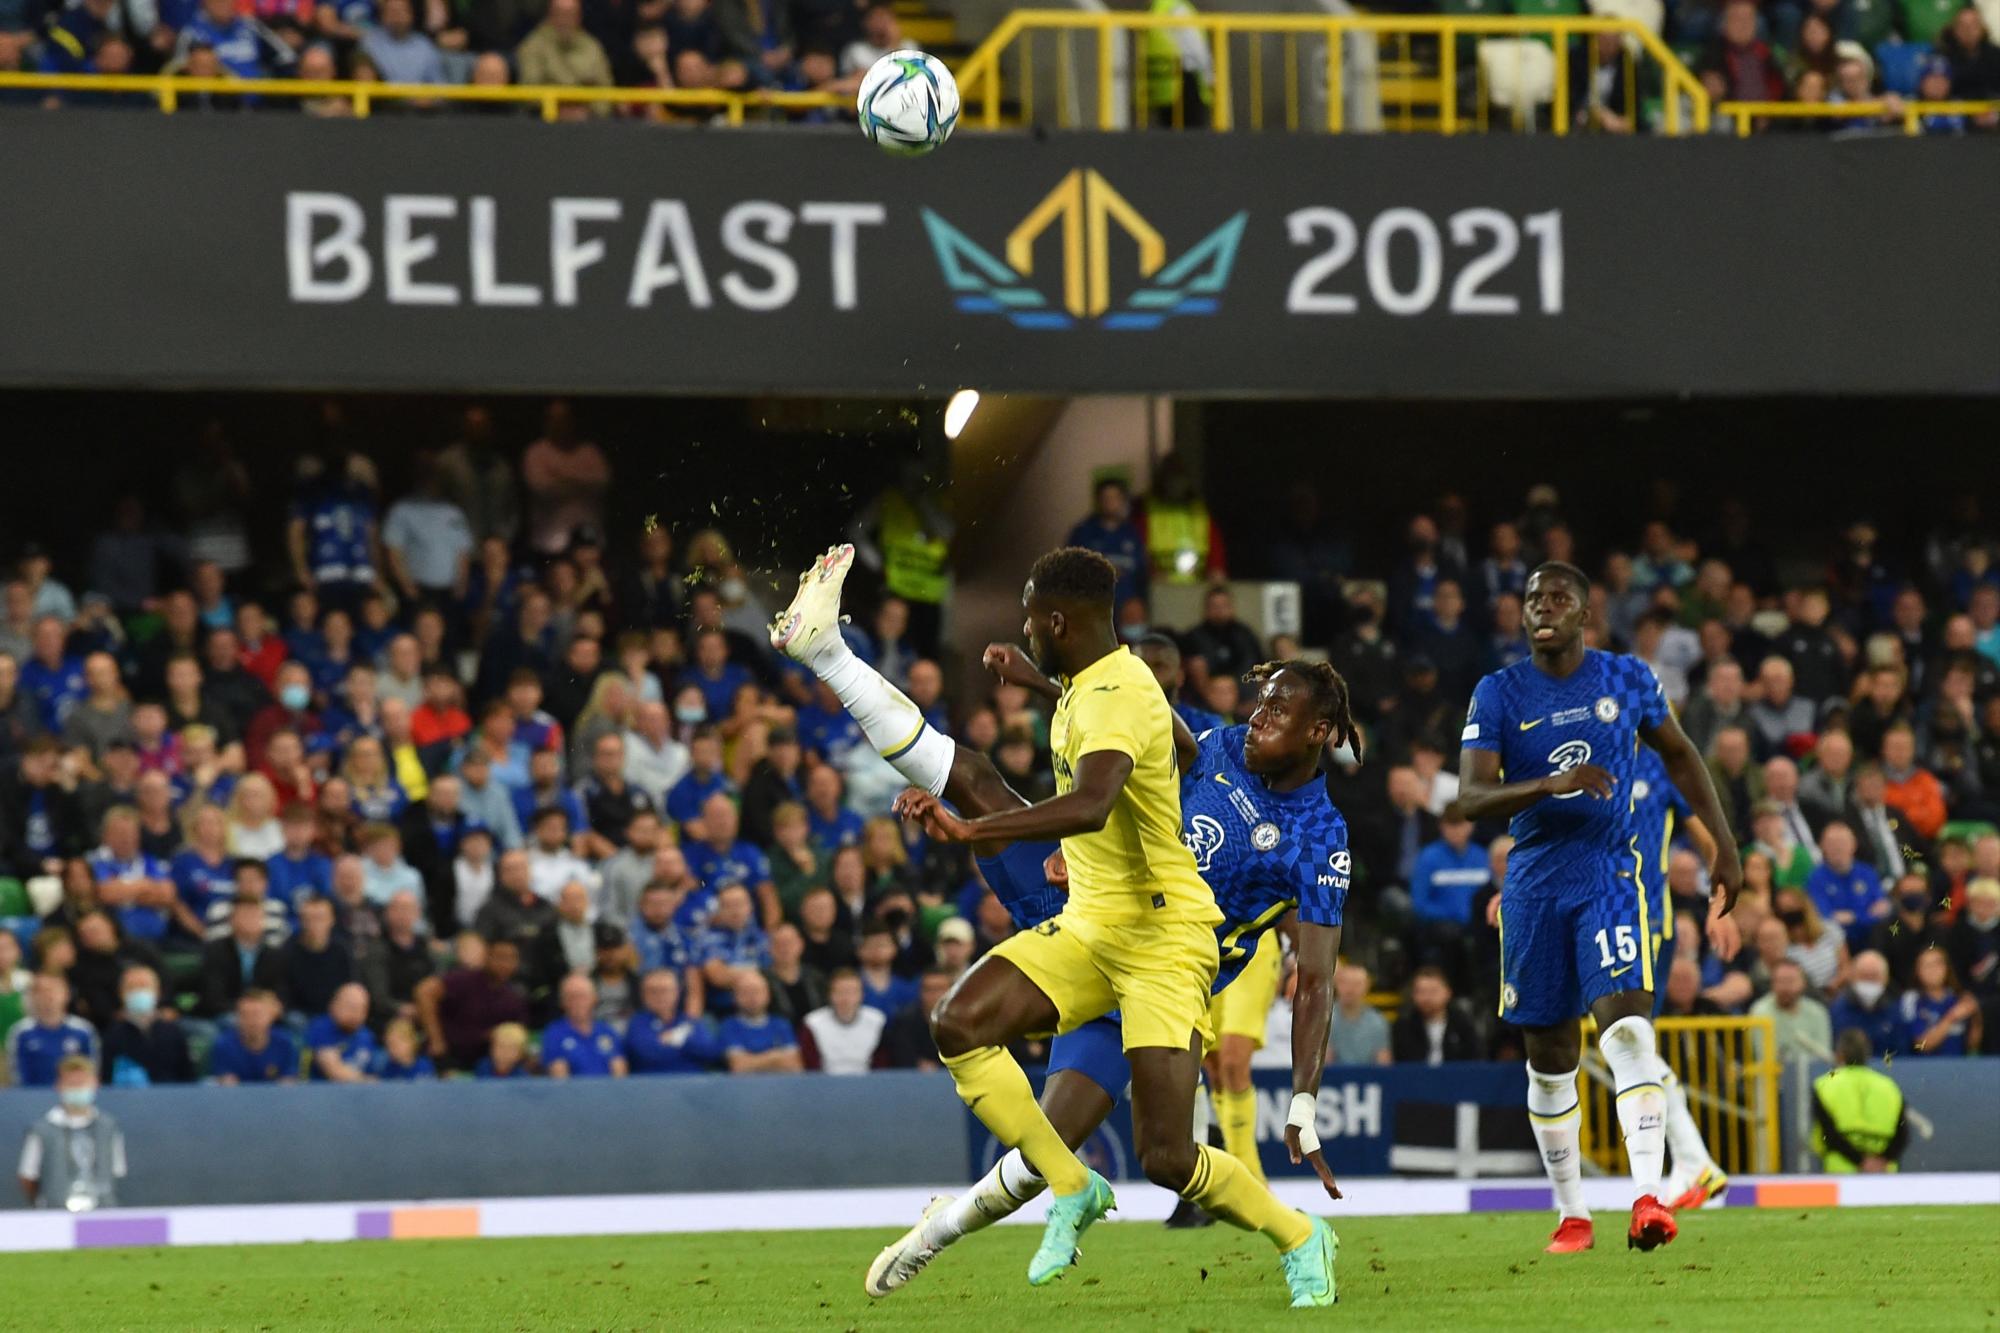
[(403, 253)]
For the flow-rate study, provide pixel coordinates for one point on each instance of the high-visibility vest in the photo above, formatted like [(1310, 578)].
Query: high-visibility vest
[(913, 560), (1163, 58), (1177, 541), (1864, 1105)]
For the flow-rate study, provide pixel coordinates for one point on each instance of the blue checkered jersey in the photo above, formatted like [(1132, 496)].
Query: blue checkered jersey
[(1540, 725), (1657, 806), (1260, 851)]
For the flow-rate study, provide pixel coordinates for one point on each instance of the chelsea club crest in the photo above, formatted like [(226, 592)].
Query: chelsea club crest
[(1607, 709), (1264, 837)]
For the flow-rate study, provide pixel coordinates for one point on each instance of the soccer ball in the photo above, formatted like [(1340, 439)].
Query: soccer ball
[(908, 103)]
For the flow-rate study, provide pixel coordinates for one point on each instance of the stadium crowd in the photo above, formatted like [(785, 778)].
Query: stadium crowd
[(736, 45), (473, 788)]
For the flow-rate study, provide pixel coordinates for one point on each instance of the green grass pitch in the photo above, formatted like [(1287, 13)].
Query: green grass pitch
[(1842, 1269)]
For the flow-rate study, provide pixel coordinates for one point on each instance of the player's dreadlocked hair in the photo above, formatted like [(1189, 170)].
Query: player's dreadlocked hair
[(1073, 574), (1568, 571), (1329, 696)]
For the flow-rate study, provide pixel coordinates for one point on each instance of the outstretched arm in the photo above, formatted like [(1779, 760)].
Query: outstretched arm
[(1312, 1020), (1482, 795), (1685, 767), (1100, 777)]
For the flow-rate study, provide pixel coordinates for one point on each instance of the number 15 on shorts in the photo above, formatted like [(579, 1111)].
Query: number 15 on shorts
[(1626, 942)]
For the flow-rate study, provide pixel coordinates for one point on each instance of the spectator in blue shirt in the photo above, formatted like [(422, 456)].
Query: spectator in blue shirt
[(579, 1045), (545, 791), (751, 1040), (401, 1060), (881, 987), (1111, 533), (331, 532), (661, 1039), (256, 1050), (131, 884), (1867, 1004), (343, 1049), (1939, 1017), (1847, 893), (655, 936), (1449, 873), (39, 1042), (73, 35), (714, 674), (299, 869), (52, 678), (731, 944), (722, 858), (827, 729), (829, 823), (404, 55)]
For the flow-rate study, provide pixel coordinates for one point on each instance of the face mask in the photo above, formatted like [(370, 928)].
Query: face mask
[(1915, 903), (690, 713), (295, 697), (78, 1099), (1795, 917), (140, 1003), (1867, 992), (1134, 633)]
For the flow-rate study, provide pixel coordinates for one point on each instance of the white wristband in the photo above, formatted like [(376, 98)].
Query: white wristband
[(1305, 1108)]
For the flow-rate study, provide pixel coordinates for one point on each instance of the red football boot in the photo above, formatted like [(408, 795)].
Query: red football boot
[(1652, 1225), (1573, 1236)]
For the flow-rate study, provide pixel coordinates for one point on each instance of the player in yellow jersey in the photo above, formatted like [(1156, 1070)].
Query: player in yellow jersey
[(1137, 935)]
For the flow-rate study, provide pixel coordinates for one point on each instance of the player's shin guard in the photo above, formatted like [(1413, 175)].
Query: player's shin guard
[(1226, 1188), (1557, 1118), (1001, 1192), (1633, 1054), (1236, 1113), (1683, 1138), (993, 1087), (893, 724)]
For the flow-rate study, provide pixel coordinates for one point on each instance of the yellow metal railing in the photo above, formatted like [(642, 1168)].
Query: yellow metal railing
[(1910, 114), (983, 82), (1729, 1067), (168, 90)]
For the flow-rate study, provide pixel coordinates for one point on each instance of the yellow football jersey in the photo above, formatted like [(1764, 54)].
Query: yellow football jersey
[(1135, 868)]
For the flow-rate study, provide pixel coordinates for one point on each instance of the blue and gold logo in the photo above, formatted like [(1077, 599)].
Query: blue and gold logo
[(1087, 208)]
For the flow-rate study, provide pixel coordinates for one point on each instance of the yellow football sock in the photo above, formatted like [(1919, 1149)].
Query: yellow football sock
[(1228, 1190), (995, 1090), (1236, 1114)]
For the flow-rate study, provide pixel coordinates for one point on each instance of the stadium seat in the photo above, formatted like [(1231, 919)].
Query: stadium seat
[(14, 898), (1652, 13), (1520, 72), (1900, 64), (1548, 8)]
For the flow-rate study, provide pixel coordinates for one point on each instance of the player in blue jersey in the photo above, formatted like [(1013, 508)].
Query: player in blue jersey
[(1658, 811), (1264, 836), (1553, 742)]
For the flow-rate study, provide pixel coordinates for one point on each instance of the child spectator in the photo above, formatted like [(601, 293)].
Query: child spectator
[(507, 1054), (1939, 1018), (386, 872), (400, 1060)]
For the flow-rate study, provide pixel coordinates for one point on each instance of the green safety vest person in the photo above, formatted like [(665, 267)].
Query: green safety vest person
[(1858, 1120), (915, 559), (1171, 50)]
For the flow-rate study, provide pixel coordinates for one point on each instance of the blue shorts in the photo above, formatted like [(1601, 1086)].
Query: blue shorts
[(1097, 1051), (1562, 953), (1016, 878)]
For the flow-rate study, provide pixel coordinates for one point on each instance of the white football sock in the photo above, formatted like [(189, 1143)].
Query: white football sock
[(893, 724), (1557, 1118), (1683, 1137), (1001, 1192), (1633, 1054)]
